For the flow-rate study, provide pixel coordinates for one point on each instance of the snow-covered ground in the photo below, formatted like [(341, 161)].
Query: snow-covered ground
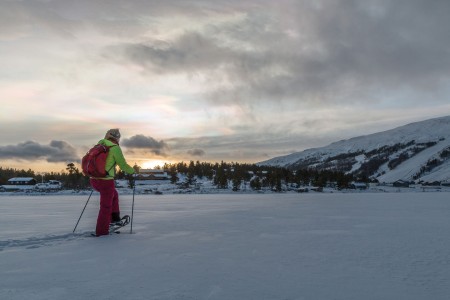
[(230, 246)]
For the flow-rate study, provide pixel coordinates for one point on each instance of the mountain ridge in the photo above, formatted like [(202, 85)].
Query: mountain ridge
[(418, 151)]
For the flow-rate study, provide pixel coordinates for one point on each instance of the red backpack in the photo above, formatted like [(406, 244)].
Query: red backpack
[(94, 162)]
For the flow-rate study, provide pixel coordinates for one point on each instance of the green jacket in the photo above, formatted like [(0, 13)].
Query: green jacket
[(115, 157)]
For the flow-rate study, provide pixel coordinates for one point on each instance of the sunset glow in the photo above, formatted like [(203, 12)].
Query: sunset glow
[(153, 164)]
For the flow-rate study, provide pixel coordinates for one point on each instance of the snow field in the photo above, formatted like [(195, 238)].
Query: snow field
[(277, 246)]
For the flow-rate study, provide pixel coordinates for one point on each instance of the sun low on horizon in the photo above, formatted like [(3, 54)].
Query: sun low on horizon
[(154, 164)]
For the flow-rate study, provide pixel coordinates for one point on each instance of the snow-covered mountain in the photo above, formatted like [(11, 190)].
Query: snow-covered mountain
[(415, 152)]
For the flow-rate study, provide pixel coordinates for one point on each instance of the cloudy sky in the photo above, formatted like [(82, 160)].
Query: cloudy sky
[(232, 80)]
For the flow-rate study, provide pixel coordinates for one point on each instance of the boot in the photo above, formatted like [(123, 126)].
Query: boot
[(115, 217)]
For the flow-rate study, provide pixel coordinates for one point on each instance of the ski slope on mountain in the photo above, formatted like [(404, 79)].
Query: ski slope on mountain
[(276, 246), (409, 168), (416, 134)]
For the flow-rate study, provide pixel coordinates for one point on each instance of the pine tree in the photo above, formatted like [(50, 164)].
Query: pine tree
[(173, 174), (255, 184), (221, 180)]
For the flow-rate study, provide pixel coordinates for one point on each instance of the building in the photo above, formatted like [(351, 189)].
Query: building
[(401, 183), (358, 185), (50, 185), (152, 174), (20, 183)]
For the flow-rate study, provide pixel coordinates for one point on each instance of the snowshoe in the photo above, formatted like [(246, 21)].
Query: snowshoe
[(114, 227)]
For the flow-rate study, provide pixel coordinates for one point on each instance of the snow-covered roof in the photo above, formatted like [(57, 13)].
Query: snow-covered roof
[(361, 184), (151, 171), (21, 179)]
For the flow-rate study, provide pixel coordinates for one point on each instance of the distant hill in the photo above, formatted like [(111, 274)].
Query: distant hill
[(415, 152)]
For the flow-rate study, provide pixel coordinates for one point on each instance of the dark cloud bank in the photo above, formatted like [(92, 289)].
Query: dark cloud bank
[(143, 142), (55, 151), (160, 148)]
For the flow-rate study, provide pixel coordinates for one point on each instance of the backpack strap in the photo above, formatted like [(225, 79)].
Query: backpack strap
[(111, 168), (114, 165)]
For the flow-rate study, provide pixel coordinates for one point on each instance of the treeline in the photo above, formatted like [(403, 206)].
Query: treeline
[(223, 175), (238, 175)]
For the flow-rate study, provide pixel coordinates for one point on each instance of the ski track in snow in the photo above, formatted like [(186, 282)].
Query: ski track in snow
[(37, 242)]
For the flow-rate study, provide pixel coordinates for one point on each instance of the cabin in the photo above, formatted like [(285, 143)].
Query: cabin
[(358, 185), (22, 181), (50, 185), (401, 183), (152, 174)]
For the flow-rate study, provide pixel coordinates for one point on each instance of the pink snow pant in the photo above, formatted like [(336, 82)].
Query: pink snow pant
[(109, 203)]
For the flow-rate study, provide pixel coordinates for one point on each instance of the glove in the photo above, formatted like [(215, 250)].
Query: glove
[(131, 181)]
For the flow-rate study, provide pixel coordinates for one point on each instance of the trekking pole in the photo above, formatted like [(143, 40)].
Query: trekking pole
[(82, 211), (132, 206)]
